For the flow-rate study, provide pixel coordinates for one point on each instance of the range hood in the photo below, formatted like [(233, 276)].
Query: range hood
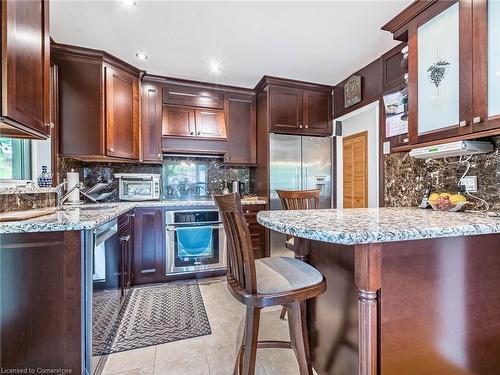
[(459, 148)]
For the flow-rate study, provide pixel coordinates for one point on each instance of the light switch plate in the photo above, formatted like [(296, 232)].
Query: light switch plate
[(470, 183), (387, 148)]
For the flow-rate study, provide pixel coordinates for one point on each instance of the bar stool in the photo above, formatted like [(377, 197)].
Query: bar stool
[(266, 282), (297, 200)]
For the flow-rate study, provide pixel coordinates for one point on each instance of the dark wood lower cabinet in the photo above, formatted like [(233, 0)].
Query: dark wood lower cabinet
[(257, 231), (149, 246), (40, 301)]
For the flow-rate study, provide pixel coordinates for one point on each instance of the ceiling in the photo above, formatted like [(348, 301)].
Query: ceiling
[(321, 42)]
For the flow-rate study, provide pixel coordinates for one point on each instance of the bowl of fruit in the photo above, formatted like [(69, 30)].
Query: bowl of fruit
[(447, 202)]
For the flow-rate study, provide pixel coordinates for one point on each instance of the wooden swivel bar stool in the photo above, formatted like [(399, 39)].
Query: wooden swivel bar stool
[(266, 282), (297, 200)]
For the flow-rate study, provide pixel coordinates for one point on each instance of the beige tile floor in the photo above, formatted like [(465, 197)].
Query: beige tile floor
[(212, 354)]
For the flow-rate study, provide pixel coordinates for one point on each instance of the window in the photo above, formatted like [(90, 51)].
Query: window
[(15, 159), (185, 179)]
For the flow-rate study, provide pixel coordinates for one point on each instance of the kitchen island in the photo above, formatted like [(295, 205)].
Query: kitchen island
[(410, 291)]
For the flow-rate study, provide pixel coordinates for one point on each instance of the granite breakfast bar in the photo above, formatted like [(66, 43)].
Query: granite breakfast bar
[(409, 291)]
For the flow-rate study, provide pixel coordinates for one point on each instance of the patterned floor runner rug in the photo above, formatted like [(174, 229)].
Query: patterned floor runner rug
[(152, 315)]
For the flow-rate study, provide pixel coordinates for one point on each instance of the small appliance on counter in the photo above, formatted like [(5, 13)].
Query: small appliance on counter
[(237, 187), (138, 186)]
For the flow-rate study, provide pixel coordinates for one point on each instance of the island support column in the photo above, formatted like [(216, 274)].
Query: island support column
[(367, 259)]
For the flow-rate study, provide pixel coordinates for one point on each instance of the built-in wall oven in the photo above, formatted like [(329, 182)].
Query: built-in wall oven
[(195, 241)]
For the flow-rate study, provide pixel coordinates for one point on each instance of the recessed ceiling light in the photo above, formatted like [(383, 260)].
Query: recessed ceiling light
[(141, 56), (128, 3), (215, 67)]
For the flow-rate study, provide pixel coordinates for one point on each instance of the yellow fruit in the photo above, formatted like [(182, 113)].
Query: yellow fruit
[(445, 195), (434, 197), (457, 198)]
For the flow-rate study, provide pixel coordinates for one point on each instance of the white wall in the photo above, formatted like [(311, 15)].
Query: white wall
[(363, 119)]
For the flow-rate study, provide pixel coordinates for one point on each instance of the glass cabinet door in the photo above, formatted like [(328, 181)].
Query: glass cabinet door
[(438, 63), (493, 58)]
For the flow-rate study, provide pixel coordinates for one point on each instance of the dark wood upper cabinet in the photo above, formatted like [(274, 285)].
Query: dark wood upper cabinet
[(317, 111), (464, 102), (178, 121), (151, 130), (286, 109), (192, 96), (241, 127), (25, 67), (210, 123), (149, 247), (98, 105), (122, 114)]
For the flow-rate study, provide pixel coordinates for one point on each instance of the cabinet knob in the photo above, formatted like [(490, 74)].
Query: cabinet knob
[(50, 125), (476, 120), (199, 132), (300, 126), (159, 156), (306, 126), (111, 149), (462, 124), (131, 215), (125, 238), (247, 211), (191, 133)]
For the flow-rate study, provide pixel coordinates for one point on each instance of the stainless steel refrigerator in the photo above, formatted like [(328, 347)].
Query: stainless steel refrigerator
[(298, 163)]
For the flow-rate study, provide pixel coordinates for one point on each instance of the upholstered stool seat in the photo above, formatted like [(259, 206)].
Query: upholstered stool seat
[(281, 274)]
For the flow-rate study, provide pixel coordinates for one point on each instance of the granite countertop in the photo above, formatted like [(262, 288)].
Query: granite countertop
[(371, 225), (90, 216)]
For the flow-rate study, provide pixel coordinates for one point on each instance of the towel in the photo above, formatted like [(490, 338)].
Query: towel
[(194, 242)]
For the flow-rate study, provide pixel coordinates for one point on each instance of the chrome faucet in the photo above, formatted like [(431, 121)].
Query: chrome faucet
[(61, 198)]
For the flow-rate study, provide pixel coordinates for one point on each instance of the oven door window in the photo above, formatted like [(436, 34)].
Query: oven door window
[(196, 245), (143, 189)]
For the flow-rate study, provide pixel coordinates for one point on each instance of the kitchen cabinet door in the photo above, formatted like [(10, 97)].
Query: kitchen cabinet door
[(241, 127), (210, 123), (317, 112), (149, 246), (25, 68), (486, 84), (178, 121), (122, 114), (286, 109), (440, 72), (151, 123)]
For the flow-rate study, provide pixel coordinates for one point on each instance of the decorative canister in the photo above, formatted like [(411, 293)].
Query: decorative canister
[(45, 178)]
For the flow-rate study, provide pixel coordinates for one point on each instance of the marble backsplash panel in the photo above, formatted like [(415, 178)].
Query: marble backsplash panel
[(216, 174), (406, 178), (26, 201)]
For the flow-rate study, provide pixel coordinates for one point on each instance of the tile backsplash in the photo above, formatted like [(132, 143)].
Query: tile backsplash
[(406, 178), (182, 177)]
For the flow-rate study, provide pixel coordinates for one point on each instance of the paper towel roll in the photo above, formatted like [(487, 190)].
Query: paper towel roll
[(73, 179)]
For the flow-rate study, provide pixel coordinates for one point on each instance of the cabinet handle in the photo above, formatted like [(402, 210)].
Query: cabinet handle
[(50, 125), (476, 120), (131, 215), (125, 238), (462, 124)]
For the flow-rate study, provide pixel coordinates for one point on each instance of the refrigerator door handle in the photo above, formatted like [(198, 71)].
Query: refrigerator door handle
[(305, 181), (297, 178)]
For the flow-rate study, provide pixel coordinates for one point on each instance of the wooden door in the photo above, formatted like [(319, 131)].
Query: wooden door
[(210, 123), (149, 246), (151, 123), (122, 114), (178, 121), (286, 109), (355, 170), (241, 127), (317, 112), (26, 65)]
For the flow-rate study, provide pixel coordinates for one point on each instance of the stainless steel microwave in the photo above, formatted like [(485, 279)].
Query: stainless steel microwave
[(139, 186)]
